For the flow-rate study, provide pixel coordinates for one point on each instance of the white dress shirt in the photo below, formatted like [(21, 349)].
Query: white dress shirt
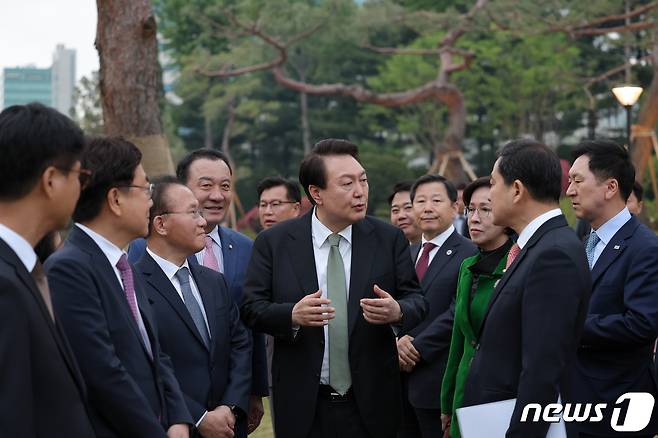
[(113, 253), (534, 225), (608, 230), (170, 270), (438, 241), (217, 249), (20, 246), (321, 247)]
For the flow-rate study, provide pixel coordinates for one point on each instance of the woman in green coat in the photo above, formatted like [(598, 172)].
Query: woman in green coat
[(478, 276)]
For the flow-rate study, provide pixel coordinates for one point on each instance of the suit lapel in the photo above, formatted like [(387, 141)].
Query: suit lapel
[(159, 281), (446, 252), (301, 255), (364, 245), (415, 250), (556, 222), (60, 339), (208, 297), (614, 248), (230, 259)]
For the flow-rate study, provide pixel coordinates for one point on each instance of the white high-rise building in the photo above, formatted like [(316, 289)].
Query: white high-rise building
[(63, 79)]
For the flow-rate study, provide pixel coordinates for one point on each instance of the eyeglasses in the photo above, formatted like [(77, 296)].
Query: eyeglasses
[(482, 211), (196, 213), (84, 175), (274, 204), (147, 189)]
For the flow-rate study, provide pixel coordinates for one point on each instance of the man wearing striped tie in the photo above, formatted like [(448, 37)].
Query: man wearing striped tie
[(616, 348), (334, 287)]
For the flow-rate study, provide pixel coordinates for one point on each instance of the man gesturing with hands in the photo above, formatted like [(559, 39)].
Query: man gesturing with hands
[(334, 288)]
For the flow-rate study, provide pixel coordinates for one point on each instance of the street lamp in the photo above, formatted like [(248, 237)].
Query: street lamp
[(627, 95)]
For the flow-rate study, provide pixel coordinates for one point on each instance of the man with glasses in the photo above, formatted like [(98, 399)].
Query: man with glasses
[(102, 306), (278, 200), (199, 323), (423, 353), (41, 389)]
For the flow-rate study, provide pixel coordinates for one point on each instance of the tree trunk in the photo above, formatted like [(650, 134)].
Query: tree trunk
[(130, 79), (646, 122)]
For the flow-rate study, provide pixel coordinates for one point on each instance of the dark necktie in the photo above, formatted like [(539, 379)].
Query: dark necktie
[(183, 276), (424, 260), (513, 253), (42, 284)]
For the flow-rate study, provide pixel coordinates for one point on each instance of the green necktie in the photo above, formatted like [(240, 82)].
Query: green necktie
[(339, 363)]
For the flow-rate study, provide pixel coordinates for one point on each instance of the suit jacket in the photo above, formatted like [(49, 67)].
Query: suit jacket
[(236, 251), (130, 394), (432, 336), (528, 337), (282, 271), (42, 389), (211, 377), (616, 348)]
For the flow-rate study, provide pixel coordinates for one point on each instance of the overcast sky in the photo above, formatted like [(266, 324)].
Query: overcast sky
[(30, 30)]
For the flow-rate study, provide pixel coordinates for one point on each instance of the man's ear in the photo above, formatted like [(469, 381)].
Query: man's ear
[(519, 191), (611, 189), (47, 181), (158, 226), (315, 194), (114, 201)]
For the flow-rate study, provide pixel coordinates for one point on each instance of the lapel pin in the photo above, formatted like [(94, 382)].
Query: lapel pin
[(449, 252), (617, 246), (230, 246)]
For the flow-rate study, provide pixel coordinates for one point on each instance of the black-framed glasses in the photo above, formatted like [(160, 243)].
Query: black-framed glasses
[(196, 213), (482, 211), (84, 175), (274, 204), (147, 189)]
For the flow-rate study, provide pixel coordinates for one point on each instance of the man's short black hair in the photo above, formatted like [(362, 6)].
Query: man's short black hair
[(484, 181), (427, 179), (32, 138), (404, 186), (638, 191), (313, 172), (112, 161), (608, 159), (535, 165), (159, 198), (292, 188), (183, 167)]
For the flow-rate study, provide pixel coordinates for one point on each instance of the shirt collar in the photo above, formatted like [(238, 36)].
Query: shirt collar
[(170, 269), (111, 251), (320, 231), (214, 234), (534, 225), (20, 246), (440, 239), (610, 228)]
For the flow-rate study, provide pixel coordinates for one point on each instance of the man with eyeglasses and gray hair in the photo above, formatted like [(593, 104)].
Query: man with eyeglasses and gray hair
[(199, 322)]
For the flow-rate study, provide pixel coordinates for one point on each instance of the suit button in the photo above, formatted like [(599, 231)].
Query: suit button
[(473, 344)]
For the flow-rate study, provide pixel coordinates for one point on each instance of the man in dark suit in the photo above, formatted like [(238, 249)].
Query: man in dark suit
[(42, 391), (333, 287), (102, 305), (424, 351), (530, 331), (616, 347), (209, 175), (198, 322), (402, 212)]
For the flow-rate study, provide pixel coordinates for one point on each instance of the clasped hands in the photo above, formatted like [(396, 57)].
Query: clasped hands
[(407, 353), (315, 311)]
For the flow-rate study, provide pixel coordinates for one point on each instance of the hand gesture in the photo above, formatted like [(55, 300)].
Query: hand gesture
[(382, 310), (312, 311)]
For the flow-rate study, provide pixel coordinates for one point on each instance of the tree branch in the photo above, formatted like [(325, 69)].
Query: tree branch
[(614, 71), (634, 13), (451, 37)]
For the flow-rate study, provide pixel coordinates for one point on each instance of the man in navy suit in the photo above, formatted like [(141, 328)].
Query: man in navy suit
[(199, 323), (42, 393), (424, 351), (530, 331), (103, 308), (616, 347), (208, 174)]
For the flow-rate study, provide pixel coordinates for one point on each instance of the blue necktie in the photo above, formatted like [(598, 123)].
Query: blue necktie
[(592, 241), (192, 305)]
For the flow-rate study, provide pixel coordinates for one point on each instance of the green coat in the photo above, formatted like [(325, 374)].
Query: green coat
[(464, 332)]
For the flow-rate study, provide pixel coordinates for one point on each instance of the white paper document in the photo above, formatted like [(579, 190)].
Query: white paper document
[(491, 420)]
